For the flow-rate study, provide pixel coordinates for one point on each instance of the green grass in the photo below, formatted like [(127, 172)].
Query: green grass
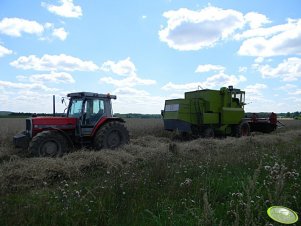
[(156, 181)]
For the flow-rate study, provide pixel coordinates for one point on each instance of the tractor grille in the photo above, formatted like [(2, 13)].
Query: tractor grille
[(28, 125)]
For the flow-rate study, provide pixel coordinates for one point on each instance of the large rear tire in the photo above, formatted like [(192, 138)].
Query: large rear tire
[(111, 135), (48, 144), (242, 130)]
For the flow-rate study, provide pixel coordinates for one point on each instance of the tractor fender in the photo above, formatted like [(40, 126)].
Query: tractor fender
[(104, 121)]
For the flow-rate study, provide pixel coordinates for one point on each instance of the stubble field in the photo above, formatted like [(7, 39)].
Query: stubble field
[(155, 180)]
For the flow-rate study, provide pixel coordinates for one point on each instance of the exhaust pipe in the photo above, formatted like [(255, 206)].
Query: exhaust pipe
[(53, 105)]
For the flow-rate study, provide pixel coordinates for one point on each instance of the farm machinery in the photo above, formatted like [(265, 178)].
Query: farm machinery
[(214, 112), (88, 122)]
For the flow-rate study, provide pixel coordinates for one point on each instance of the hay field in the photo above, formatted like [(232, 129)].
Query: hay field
[(154, 180)]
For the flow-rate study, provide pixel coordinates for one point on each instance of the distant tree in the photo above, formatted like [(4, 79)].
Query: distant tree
[(288, 115)]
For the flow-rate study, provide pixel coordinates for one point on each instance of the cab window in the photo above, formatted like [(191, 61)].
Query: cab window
[(94, 110)]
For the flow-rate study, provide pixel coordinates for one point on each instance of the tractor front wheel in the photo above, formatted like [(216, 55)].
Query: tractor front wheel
[(243, 129), (111, 135), (48, 144)]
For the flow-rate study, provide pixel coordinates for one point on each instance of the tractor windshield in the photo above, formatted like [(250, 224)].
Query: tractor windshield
[(75, 108)]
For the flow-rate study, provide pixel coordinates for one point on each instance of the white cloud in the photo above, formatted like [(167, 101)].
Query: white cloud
[(65, 9), (56, 77), (16, 26), (4, 51), (259, 60), (131, 100), (256, 20), (297, 92), (47, 62), (254, 89), (216, 81), (60, 33), (209, 67), (242, 69), (130, 81), (284, 40), (267, 32), (194, 30), (125, 68), (288, 70), (254, 94), (26, 86), (122, 67), (287, 87)]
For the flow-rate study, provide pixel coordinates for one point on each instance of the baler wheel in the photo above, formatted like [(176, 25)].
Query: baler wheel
[(111, 135), (48, 144)]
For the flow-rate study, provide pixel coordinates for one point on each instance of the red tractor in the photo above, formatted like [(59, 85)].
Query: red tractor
[(88, 122)]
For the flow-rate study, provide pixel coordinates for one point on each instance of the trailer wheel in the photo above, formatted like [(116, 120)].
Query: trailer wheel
[(208, 133), (111, 135), (243, 129), (48, 144)]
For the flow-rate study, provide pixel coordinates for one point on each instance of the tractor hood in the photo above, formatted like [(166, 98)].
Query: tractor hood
[(62, 123)]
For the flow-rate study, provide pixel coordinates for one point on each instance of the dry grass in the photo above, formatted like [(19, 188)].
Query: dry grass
[(148, 141)]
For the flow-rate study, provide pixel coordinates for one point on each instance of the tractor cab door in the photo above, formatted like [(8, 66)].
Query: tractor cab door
[(93, 111)]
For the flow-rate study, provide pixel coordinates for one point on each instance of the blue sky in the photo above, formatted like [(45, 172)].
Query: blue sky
[(149, 51)]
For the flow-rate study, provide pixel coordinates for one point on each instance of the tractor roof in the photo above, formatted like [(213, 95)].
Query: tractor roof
[(91, 95)]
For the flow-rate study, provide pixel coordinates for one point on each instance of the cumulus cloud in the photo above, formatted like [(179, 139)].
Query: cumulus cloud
[(4, 51), (130, 99), (65, 9), (124, 68), (242, 69), (47, 62), (127, 82), (274, 41), (16, 26), (209, 67), (193, 30), (135, 100), (256, 88), (256, 20), (254, 92), (60, 33), (287, 87), (214, 81), (288, 70), (56, 77), (26, 86)]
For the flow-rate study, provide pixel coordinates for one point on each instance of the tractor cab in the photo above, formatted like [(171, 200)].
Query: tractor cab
[(238, 96), (89, 107)]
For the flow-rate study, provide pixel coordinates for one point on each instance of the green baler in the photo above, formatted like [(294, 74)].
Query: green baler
[(208, 112)]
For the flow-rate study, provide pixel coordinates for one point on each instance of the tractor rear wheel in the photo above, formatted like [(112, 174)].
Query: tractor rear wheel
[(48, 144), (111, 135), (243, 129)]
